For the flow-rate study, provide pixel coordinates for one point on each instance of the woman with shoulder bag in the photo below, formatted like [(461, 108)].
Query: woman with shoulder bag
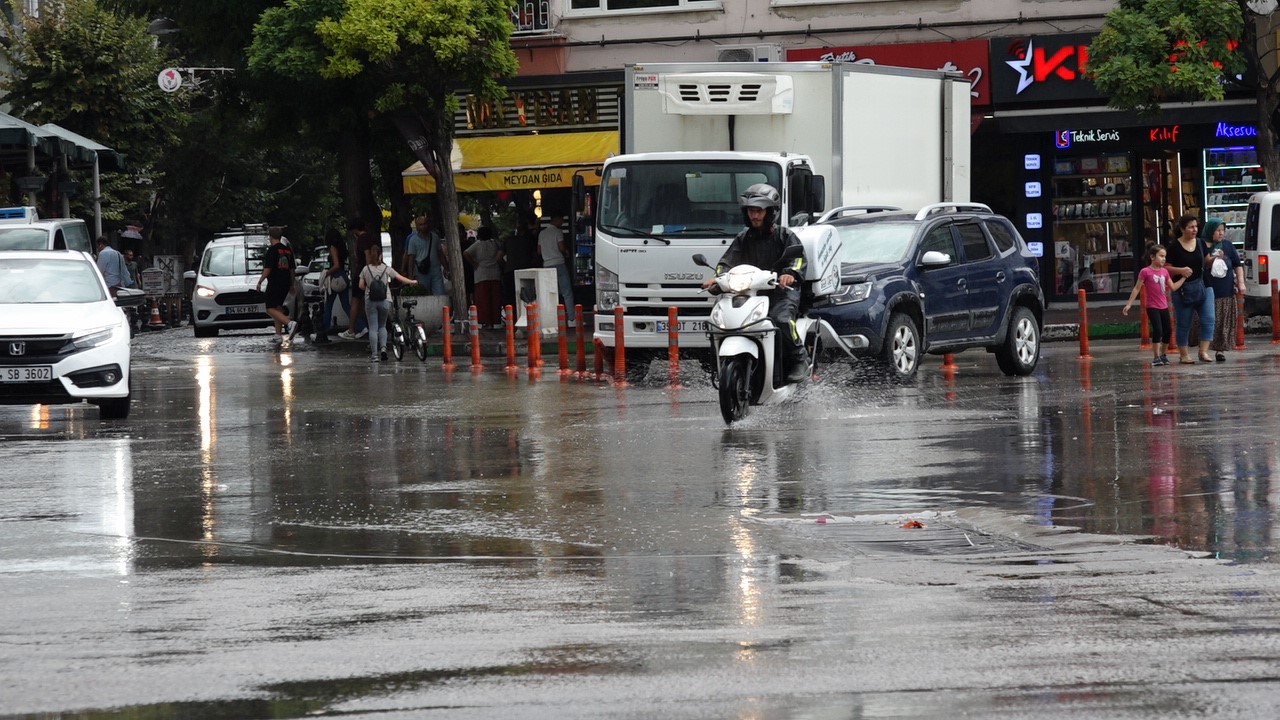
[(1224, 274), (336, 281), (1186, 257)]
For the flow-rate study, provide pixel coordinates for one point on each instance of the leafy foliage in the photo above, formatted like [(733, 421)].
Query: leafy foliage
[(94, 72), (1155, 51)]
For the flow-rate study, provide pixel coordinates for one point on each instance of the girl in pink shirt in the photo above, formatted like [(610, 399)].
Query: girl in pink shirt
[(1155, 278)]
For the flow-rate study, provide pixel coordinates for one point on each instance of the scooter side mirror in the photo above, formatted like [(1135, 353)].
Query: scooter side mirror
[(701, 260)]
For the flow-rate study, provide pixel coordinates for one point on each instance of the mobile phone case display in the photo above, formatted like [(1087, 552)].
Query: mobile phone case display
[(1231, 175), (1092, 224)]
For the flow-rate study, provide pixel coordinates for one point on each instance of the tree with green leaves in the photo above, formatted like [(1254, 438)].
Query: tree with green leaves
[(413, 55), (1151, 52), (83, 67)]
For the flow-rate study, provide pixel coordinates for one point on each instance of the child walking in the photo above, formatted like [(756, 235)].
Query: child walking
[(1155, 278)]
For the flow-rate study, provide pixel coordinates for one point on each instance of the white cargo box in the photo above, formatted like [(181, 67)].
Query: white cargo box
[(822, 258)]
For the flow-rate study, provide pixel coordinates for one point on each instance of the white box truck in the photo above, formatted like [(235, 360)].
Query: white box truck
[(695, 136)]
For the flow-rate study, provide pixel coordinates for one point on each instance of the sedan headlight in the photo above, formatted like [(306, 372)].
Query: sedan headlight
[(851, 293), (91, 339), (205, 291)]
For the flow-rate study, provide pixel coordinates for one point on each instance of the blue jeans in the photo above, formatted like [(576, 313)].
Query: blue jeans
[(565, 286), (376, 314), (1182, 313)]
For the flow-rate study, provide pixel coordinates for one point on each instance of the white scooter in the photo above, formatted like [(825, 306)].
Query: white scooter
[(744, 341)]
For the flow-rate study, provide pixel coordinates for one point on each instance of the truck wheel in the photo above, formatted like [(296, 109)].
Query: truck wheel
[(901, 353), (1020, 351), (735, 388)]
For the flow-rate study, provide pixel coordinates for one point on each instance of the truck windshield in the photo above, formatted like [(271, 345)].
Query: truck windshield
[(678, 199)]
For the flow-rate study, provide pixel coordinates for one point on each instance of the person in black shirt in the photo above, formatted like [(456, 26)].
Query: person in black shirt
[(1186, 257), (277, 271)]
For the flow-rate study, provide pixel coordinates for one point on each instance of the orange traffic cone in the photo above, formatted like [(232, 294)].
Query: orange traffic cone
[(156, 322)]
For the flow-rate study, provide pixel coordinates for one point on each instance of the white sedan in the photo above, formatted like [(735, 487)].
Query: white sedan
[(63, 338)]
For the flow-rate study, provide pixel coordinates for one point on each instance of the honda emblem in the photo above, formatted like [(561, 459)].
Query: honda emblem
[(17, 348)]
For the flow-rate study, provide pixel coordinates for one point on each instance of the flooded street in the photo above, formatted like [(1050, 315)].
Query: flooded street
[(308, 534)]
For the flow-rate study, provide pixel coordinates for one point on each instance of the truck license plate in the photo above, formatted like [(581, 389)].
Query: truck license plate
[(241, 309), (684, 326), (34, 373)]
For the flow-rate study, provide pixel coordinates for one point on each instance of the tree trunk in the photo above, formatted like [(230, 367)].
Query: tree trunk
[(1268, 99), (355, 179)]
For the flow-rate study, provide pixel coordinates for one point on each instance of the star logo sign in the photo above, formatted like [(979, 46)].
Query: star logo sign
[(1023, 66)]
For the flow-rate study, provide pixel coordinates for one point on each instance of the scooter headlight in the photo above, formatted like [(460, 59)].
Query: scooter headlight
[(738, 282)]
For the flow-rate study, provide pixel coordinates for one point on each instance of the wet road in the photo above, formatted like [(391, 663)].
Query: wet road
[(304, 534)]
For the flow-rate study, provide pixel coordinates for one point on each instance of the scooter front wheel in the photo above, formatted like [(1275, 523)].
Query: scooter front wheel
[(735, 388)]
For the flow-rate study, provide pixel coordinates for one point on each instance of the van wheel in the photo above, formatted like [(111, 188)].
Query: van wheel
[(1020, 352), (206, 332), (901, 353)]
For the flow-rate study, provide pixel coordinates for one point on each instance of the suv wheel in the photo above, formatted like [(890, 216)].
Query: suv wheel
[(901, 354), (1020, 351)]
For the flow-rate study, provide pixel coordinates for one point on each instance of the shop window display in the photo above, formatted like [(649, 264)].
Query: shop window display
[(1092, 224), (1231, 175)]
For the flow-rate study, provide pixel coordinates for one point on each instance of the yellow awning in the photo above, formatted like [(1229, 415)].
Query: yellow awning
[(518, 162)]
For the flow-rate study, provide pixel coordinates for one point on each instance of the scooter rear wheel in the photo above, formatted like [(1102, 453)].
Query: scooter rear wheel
[(735, 388)]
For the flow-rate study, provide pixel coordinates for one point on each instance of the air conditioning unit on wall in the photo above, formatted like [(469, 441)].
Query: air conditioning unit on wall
[(749, 53)]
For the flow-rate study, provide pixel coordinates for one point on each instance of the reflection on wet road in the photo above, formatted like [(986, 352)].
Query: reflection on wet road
[(337, 511)]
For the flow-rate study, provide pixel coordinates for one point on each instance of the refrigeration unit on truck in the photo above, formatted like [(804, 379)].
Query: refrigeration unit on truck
[(695, 136)]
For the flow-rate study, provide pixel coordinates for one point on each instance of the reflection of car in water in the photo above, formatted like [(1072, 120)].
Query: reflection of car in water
[(63, 338)]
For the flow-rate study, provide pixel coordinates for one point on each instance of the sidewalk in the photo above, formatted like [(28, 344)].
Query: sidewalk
[(1062, 321)]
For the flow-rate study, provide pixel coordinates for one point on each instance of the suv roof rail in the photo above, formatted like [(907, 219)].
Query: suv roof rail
[(932, 208), (837, 212)]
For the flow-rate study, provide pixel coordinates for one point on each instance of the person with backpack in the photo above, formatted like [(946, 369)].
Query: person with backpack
[(424, 256), (374, 281)]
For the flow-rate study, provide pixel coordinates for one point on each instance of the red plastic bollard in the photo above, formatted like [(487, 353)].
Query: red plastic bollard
[(597, 358), (1144, 325), (562, 329), (1275, 312), (1084, 324), (509, 320), (473, 316), (448, 338), (619, 347), (534, 332), (582, 340), (1239, 321), (673, 345)]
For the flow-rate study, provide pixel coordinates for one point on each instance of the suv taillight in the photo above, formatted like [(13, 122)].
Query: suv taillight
[(1264, 271)]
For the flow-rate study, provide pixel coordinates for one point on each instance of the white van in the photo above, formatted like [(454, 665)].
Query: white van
[(226, 294), (22, 229), (1261, 251)]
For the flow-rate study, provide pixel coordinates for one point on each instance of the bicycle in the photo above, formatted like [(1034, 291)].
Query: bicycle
[(407, 330)]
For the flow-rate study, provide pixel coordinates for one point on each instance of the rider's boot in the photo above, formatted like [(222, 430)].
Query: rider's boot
[(797, 364)]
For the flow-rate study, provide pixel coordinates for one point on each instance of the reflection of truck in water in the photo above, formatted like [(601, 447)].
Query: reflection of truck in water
[(697, 135)]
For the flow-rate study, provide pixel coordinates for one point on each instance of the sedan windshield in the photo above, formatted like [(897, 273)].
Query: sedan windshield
[(49, 281), (875, 242)]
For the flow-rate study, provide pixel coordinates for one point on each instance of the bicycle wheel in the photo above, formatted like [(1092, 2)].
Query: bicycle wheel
[(420, 340), (397, 339)]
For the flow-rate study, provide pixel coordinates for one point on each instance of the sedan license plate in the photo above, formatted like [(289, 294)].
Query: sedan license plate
[(33, 373), (685, 326), (241, 310)]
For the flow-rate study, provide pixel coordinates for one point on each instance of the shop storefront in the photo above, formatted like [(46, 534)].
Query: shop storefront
[(537, 138), (1094, 187)]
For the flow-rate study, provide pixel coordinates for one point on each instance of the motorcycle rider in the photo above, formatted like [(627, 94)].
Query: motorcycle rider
[(763, 244)]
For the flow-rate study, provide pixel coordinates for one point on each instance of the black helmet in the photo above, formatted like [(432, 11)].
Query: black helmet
[(760, 195)]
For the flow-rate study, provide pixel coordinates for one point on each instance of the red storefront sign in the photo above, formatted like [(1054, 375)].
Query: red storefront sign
[(969, 57)]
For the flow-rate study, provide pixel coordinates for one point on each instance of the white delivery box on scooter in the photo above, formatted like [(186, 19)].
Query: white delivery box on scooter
[(822, 246)]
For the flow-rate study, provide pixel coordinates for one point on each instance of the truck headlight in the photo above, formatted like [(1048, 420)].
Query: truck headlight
[(607, 297)]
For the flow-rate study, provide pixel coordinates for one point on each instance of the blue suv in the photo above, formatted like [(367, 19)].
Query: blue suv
[(950, 277)]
